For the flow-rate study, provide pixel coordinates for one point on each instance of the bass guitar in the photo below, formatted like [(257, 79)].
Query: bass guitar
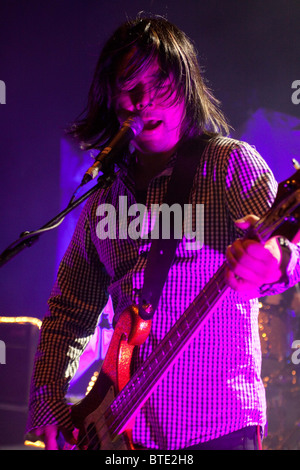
[(105, 416)]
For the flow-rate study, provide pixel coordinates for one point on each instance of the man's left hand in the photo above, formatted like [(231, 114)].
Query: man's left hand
[(252, 264)]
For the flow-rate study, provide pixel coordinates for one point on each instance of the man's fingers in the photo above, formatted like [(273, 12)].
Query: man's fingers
[(252, 264), (242, 263), (49, 435), (246, 222), (51, 440), (244, 288), (69, 437)]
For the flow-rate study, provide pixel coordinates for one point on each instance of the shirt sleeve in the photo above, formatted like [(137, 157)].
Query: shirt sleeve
[(76, 301), (250, 188)]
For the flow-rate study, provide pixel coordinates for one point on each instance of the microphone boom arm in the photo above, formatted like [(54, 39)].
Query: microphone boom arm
[(130, 129), (27, 239)]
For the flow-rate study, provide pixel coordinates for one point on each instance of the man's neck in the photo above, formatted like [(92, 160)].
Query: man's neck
[(148, 166)]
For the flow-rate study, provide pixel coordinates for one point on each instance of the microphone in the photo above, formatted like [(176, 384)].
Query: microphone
[(130, 129)]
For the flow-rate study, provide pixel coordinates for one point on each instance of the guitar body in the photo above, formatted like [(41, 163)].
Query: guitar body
[(91, 415)]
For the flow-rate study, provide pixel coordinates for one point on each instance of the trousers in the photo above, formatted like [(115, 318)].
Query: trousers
[(248, 438)]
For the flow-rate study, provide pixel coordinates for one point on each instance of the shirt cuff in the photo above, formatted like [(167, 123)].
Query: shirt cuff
[(287, 280)]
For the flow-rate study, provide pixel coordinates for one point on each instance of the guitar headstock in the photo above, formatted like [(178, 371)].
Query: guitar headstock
[(283, 219)]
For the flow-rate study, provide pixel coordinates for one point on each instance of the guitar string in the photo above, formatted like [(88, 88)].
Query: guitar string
[(177, 343)]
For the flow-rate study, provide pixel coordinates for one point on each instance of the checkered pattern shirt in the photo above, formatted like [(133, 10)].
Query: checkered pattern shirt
[(214, 388)]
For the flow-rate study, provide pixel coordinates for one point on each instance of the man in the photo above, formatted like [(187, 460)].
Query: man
[(213, 396)]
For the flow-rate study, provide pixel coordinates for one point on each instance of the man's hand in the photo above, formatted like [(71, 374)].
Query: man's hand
[(49, 434), (251, 264)]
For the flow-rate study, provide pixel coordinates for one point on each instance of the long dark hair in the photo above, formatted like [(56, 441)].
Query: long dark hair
[(151, 38)]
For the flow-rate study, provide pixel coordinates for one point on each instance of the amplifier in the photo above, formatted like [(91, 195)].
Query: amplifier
[(18, 342)]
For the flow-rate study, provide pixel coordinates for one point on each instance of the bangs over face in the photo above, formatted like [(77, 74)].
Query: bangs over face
[(146, 41), (147, 45), (163, 83)]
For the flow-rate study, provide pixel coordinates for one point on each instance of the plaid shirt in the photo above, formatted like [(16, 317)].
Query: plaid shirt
[(214, 388)]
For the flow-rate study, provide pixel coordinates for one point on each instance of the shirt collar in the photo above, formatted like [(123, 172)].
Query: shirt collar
[(125, 172)]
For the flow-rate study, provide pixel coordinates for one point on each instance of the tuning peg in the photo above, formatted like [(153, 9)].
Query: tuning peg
[(296, 164)]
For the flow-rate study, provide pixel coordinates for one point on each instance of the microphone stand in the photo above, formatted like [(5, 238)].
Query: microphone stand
[(27, 239)]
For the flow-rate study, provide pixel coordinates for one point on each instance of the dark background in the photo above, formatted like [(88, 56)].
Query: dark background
[(48, 51)]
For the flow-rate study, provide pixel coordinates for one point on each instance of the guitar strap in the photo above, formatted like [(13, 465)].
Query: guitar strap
[(162, 250)]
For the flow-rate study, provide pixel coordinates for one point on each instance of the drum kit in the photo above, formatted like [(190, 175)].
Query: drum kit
[(279, 329)]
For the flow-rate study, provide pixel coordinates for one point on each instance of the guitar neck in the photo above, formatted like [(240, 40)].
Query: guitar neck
[(148, 376), (132, 397), (111, 418)]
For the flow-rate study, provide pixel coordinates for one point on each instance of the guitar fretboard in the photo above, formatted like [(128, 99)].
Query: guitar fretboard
[(149, 375)]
